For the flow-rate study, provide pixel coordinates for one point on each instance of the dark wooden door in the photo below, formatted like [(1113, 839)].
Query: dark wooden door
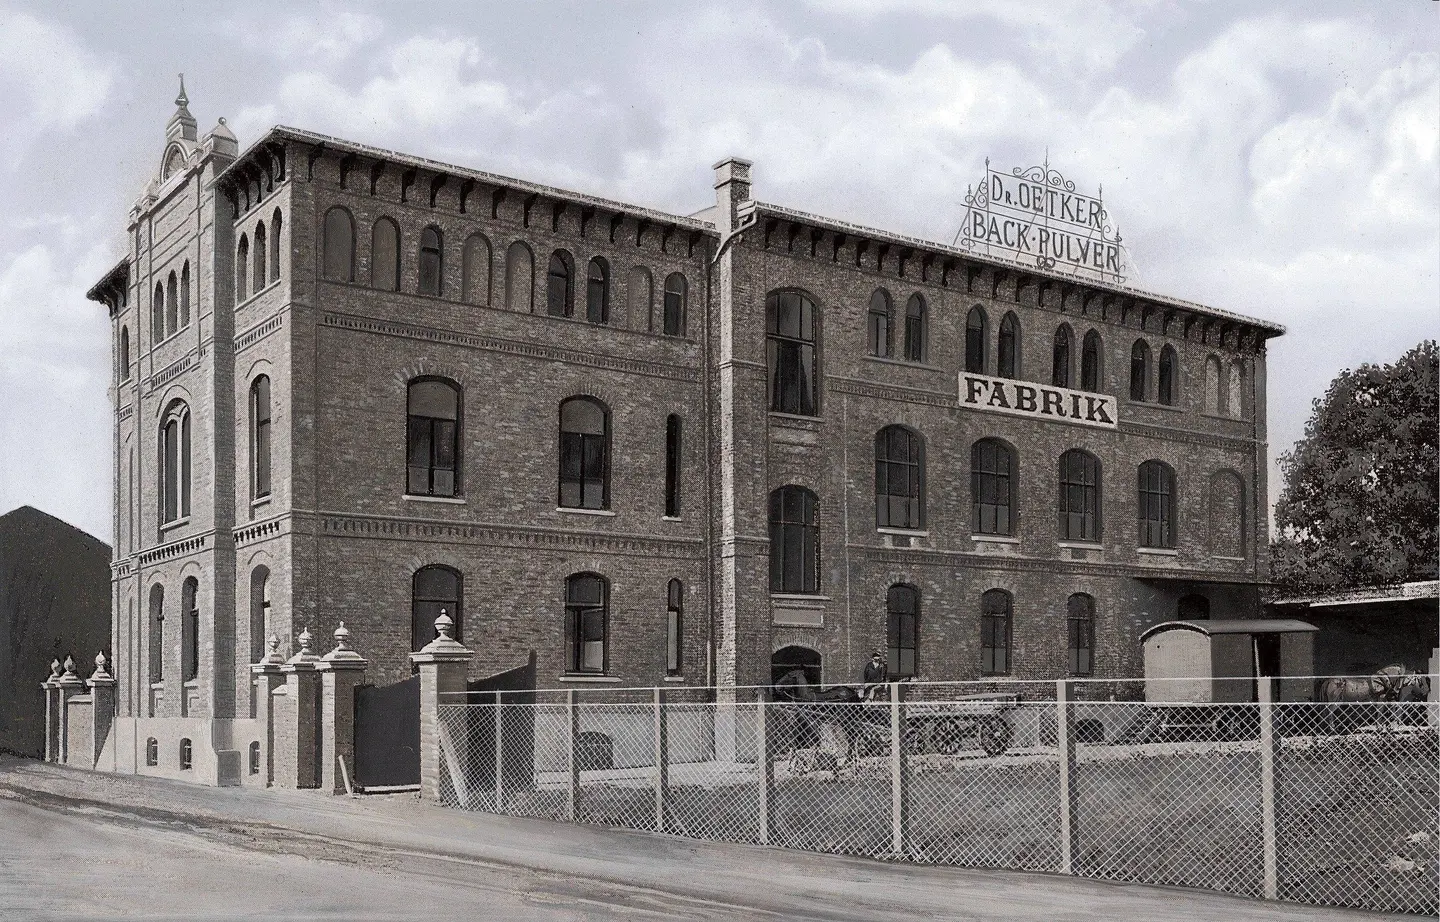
[(387, 734)]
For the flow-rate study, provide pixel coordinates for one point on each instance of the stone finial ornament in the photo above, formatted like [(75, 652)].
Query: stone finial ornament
[(69, 668), (444, 626), (54, 669), (182, 100), (100, 672), (342, 638), (305, 641)]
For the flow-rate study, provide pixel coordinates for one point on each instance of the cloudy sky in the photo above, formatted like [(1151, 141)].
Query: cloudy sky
[(1276, 159)]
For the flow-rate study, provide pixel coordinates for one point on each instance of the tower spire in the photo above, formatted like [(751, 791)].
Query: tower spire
[(182, 123), (182, 100)]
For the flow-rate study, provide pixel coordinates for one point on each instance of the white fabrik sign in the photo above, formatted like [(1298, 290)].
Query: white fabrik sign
[(1035, 217), (1038, 401)]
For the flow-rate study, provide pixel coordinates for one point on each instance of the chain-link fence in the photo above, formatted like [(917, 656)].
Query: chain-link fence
[(1319, 803)]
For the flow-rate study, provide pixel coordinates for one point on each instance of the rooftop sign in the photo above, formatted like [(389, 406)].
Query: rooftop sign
[(1034, 216), (1038, 401)]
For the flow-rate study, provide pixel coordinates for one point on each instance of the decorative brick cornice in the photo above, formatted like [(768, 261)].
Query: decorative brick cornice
[(508, 347), (174, 549), (513, 536), (170, 372), (860, 388), (1189, 436), (122, 567), (125, 412), (258, 332), (258, 531), (932, 557)]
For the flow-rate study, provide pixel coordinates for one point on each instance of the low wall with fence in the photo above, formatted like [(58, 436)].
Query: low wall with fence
[(1317, 803)]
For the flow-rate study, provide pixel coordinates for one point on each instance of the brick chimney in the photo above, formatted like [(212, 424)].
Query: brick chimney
[(732, 188)]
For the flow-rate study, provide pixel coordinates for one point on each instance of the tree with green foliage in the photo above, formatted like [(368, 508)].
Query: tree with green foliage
[(1359, 506)]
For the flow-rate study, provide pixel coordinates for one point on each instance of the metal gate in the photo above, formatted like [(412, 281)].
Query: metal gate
[(387, 734)]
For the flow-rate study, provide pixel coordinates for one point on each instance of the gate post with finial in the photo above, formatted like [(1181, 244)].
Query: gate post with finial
[(52, 712), (295, 737), (70, 686), (340, 671), (102, 704), (442, 664), (269, 682)]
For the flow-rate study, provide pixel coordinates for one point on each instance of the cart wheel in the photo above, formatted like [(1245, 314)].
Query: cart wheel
[(949, 737), (994, 735)]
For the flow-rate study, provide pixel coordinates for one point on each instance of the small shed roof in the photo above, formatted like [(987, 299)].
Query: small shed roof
[(1235, 626)]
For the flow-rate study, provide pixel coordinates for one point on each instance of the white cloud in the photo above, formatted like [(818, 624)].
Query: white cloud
[(332, 34), (50, 79)]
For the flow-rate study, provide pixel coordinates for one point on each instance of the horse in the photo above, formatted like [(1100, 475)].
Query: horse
[(1394, 683), (837, 706)]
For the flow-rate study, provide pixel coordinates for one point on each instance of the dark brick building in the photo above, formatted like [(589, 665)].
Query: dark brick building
[(357, 385)]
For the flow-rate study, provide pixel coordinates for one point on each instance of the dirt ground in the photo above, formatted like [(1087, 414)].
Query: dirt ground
[(91, 846)]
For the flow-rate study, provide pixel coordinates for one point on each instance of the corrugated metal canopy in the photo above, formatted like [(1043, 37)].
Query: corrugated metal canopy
[(1236, 626)]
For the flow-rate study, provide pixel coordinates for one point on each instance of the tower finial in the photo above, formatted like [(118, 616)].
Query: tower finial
[(182, 100)]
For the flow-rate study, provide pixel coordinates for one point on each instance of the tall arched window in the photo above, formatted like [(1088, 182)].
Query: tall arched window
[(1140, 371), (434, 589), (155, 640), (899, 478), (431, 252), (261, 251), (587, 615), (877, 323), (275, 246), (175, 464), (123, 359), (672, 465), (902, 631), (794, 541), (640, 297), (1212, 384), (1090, 362), (519, 278), (584, 454), (339, 260), (260, 437), (1060, 358), (185, 294), (1007, 353), (259, 611), (242, 269), (976, 333), (597, 291), (157, 315), (1234, 406), (676, 293), (1227, 515), (560, 285), (475, 270), (915, 329), (790, 323), (1192, 607), (190, 629), (172, 305), (996, 610), (1079, 496), (1157, 505), (992, 488), (385, 255), (1080, 630), (432, 438), (674, 627), (1165, 386)]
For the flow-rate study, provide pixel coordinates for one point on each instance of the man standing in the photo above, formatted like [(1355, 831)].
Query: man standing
[(874, 676)]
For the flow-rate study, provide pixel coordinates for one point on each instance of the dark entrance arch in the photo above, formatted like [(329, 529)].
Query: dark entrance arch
[(790, 658)]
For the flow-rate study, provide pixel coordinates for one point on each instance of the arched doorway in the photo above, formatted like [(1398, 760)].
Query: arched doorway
[(790, 658), (1193, 607)]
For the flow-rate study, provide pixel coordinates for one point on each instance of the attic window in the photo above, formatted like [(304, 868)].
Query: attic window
[(174, 161)]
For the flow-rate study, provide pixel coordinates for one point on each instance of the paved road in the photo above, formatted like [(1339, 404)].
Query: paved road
[(88, 846)]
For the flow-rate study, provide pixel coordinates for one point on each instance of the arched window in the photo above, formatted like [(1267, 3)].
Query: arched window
[(261, 250), (992, 488), (1079, 496), (519, 278), (187, 755), (560, 285), (155, 641), (475, 270), (877, 323), (915, 332), (260, 437), (584, 454), (1157, 505), (275, 246), (587, 613), (676, 292), (190, 629), (434, 589), (1233, 405), (976, 333), (431, 249), (597, 292), (1192, 607), (640, 297), (790, 353), (899, 478), (433, 438), (152, 752), (185, 294), (1007, 353), (1140, 371), (1080, 628), (242, 269), (339, 245), (1060, 358), (672, 465), (1212, 385), (124, 356), (996, 610), (1165, 387), (902, 631), (674, 627), (157, 315), (385, 255), (1090, 362), (1227, 515), (175, 464), (794, 541), (259, 611), (172, 305)]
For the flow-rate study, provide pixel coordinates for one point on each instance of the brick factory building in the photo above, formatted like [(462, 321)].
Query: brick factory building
[(356, 385)]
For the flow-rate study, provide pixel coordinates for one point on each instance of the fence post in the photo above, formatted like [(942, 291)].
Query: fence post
[(572, 765), (1267, 788), (765, 768), (52, 713), (662, 759), (442, 663), (1065, 739), (899, 772), (499, 753), (268, 678), (340, 671), (102, 706), (70, 686)]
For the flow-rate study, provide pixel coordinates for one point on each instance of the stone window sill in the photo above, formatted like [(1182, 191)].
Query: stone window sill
[(997, 539), (1158, 551), (1155, 405), (797, 600), (446, 500), (1081, 545), (906, 532), (1230, 559), (260, 501), (674, 678), (904, 363), (591, 679), (575, 510), (183, 520), (671, 518)]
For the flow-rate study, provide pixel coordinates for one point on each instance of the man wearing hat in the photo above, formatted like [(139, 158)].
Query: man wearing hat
[(874, 675)]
